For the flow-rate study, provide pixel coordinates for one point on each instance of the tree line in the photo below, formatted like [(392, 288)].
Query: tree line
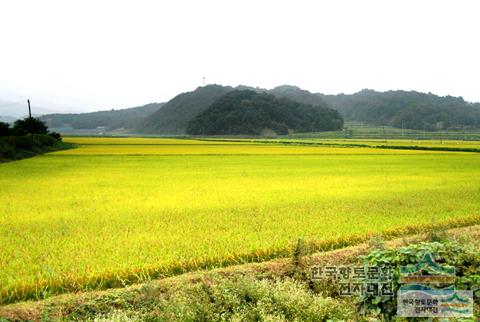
[(26, 126)]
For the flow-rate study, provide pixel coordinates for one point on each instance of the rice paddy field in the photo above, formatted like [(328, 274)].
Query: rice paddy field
[(115, 211)]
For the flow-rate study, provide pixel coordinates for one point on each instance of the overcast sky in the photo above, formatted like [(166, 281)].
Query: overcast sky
[(91, 55)]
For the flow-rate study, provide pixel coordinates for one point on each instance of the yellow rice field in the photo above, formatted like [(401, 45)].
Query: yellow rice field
[(110, 213)]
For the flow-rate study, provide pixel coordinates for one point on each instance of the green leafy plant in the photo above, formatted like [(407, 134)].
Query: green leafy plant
[(464, 257)]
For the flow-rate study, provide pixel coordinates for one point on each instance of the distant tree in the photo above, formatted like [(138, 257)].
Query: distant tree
[(29, 125), (4, 129), (55, 135)]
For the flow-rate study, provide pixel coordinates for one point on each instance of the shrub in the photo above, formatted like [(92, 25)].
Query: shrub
[(4, 129), (55, 135), (19, 147), (217, 298)]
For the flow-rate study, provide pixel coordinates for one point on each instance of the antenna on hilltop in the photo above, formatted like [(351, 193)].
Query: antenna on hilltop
[(29, 109), (203, 80)]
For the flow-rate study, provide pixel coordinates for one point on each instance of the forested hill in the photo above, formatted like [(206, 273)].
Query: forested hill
[(248, 112), (297, 94), (408, 109), (129, 118), (173, 118)]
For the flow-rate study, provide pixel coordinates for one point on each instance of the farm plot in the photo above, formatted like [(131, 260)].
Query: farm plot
[(107, 214)]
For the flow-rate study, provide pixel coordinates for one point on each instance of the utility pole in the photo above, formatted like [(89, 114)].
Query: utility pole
[(29, 109), (203, 80)]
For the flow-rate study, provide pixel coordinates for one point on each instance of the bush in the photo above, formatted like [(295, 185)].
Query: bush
[(27, 138), (19, 147), (217, 298), (55, 135), (7, 151), (4, 129)]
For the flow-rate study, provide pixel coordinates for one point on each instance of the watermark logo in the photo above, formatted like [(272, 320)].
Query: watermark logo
[(425, 291), (431, 302)]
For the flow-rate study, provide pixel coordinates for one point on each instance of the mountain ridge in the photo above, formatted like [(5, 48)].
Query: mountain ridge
[(397, 108)]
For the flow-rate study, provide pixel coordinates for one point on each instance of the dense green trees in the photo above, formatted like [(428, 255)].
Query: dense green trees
[(407, 109), (250, 112), (29, 125), (27, 137), (4, 129), (19, 147)]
